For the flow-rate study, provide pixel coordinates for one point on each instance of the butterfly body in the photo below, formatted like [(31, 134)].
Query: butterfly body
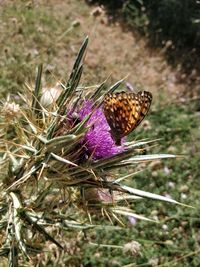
[(125, 111)]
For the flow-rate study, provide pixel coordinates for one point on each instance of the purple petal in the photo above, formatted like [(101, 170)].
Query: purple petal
[(98, 140)]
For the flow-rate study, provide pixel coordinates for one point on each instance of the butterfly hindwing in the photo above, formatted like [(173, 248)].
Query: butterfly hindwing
[(125, 111), (145, 103)]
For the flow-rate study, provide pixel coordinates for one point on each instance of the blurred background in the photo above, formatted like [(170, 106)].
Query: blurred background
[(155, 43)]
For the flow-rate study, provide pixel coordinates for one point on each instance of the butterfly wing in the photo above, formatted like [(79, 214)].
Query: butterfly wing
[(115, 112), (140, 103), (125, 111)]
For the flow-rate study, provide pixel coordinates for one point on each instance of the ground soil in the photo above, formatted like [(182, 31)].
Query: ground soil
[(118, 53)]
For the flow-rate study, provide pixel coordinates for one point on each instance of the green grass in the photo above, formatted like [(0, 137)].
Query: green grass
[(32, 34), (176, 125)]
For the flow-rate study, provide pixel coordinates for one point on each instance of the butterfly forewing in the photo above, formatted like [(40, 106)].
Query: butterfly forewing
[(125, 111)]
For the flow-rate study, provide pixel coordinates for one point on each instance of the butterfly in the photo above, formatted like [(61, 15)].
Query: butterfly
[(125, 111)]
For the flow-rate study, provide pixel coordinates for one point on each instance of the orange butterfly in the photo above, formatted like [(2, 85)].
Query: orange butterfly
[(125, 111)]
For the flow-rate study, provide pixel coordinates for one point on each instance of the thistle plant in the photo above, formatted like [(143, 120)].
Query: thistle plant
[(60, 165)]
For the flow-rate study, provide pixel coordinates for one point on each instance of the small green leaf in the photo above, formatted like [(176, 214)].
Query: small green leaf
[(36, 94)]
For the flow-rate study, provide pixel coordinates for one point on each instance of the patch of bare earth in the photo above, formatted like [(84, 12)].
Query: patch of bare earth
[(117, 53), (111, 51)]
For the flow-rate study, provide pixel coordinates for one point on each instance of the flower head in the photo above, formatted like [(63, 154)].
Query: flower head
[(10, 110), (98, 140), (132, 248)]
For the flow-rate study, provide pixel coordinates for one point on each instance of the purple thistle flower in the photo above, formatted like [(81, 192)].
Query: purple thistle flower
[(98, 140)]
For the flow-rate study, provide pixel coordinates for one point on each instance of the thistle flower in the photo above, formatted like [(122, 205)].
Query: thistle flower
[(50, 95), (40, 158), (98, 140), (10, 110)]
